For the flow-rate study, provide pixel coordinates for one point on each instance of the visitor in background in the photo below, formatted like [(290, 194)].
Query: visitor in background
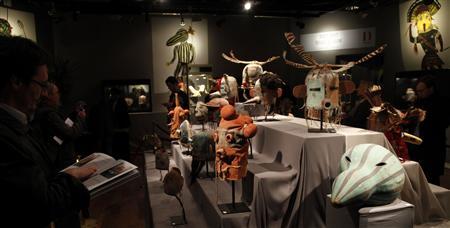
[(431, 153), (172, 85), (121, 125), (57, 131), (357, 116)]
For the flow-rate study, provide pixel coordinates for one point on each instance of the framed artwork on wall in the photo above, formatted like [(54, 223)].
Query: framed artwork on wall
[(136, 92)]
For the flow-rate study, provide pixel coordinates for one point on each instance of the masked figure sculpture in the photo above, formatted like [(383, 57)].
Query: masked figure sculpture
[(322, 83), (387, 119), (178, 115), (203, 150), (420, 17), (251, 72), (201, 112), (183, 51), (185, 133), (370, 175), (227, 87), (269, 88), (173, 184), (232, 144)]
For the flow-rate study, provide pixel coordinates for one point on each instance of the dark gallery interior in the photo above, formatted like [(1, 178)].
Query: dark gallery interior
[(225, 113)]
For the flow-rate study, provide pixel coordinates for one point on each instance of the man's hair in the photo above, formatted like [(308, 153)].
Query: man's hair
[(171, 80), (428, 80), (19, 59)]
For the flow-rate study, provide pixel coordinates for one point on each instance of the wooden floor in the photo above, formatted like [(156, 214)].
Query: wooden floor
[(127, 205)]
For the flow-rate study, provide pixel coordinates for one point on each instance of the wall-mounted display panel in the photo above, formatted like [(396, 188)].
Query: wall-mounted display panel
[(22, 22)]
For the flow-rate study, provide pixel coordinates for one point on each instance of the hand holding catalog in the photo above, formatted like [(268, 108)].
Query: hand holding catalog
[(108, 169)]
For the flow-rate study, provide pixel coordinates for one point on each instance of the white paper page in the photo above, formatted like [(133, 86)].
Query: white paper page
[(121, 168)]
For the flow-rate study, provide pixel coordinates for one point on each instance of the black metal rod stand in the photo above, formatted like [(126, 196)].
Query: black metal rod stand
[(182, 207), (233, 194)]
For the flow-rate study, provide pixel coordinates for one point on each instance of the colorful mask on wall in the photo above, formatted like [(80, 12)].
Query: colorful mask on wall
[(5, 27), (370, 174), (322, 83), (183, 51), (232, 144), (251, 72), (420, 18)]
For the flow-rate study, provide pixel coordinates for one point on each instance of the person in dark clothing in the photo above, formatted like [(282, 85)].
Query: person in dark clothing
[(357, 116), (172, 85), (59, 134), (32, 192), (121, 125), (100, 125), (56, 131), (431, 153)]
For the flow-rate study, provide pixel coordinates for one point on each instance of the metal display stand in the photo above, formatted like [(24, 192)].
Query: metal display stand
[(181, 219), (321, 129), (233, 207)]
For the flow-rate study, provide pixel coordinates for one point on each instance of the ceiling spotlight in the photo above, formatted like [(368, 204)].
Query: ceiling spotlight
[(247, 5)]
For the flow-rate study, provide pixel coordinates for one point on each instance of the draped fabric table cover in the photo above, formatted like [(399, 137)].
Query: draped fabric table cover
[(296, 195)]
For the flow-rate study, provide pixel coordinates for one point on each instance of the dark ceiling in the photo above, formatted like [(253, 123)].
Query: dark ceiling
[(269, 8)]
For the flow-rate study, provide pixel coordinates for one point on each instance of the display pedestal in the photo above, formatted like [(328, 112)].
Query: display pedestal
[(233, 207), (396, 214), (204, 191)]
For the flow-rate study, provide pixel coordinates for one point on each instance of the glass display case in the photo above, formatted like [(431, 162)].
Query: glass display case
[(137, 93)]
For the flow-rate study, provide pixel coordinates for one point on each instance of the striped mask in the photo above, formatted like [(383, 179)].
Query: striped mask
[(370, 175)]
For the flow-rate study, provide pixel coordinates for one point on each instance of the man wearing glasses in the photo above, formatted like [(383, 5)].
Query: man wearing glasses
[(32, 192)]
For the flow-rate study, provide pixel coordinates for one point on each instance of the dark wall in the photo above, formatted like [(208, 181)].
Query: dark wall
[(102, 47), (105, 47), (386, 22), (250, 39)]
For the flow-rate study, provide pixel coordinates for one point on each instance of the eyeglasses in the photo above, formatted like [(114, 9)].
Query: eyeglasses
[(42, 84)]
